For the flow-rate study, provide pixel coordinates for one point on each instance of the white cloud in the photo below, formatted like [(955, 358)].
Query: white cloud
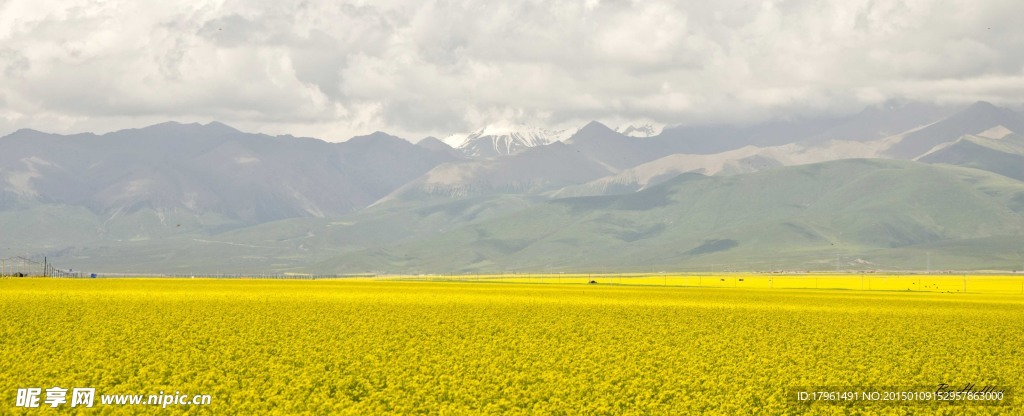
[(435, 67)]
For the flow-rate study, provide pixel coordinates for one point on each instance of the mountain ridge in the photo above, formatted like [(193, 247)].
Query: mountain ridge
[(179, 195)]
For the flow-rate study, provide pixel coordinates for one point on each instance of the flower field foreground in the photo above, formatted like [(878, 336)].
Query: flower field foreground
[(371, 347)]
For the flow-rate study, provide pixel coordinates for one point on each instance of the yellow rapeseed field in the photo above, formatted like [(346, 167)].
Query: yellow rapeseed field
[(951, 283), (378, 347)]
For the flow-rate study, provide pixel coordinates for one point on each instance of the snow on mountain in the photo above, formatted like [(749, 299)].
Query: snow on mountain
[(502, 139), (997, 132), (640, 129), (743, 160), (980, 117)]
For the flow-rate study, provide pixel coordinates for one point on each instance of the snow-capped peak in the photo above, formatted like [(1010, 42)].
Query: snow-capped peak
[(456, 140), (504, 138), (640, 129)]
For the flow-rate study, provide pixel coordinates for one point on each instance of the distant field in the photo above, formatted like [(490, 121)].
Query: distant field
[(953, 283), (361, 346)]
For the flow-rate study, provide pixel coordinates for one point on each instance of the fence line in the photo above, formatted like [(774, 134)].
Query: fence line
[(281, 276), (22, 266)]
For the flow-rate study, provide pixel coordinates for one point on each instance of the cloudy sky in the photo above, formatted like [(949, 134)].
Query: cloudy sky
[(417, 68)]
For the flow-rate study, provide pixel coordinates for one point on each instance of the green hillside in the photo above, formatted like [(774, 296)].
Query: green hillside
[(846, 214), (1002, 156), (851, 214)]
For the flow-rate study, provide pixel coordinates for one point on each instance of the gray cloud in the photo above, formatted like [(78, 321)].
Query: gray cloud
[(13, 63), (435, 67)]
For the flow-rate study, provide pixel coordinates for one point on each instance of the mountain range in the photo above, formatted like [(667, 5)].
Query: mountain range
[(885, 188)]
